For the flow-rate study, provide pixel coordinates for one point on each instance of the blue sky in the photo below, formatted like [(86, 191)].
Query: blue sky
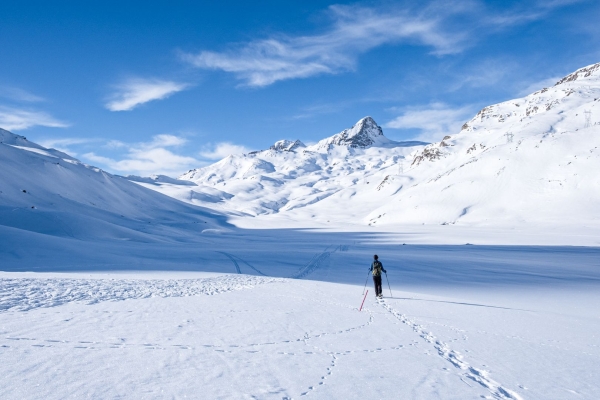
[(162, 87)]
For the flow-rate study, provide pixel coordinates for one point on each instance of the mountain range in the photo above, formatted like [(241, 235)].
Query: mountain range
[(531, 160)]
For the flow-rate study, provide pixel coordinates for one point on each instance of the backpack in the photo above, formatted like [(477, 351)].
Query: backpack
[(377, 267)]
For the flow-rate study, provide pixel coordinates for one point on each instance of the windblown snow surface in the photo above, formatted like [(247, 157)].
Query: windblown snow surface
[(111, 290)]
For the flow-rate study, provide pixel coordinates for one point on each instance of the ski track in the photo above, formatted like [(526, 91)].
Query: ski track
[(29, 293), (250, 265), (237, 266), (455, 358), (315, 263)]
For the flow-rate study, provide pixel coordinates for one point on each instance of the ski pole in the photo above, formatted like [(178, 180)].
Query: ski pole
[(363, 302), (388, 281), (367, 280)]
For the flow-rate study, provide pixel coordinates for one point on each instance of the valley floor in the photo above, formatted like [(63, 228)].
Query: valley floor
[(206, 335)]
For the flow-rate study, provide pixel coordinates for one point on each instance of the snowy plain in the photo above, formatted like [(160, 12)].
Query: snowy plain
[(111, 290), (282, 321)]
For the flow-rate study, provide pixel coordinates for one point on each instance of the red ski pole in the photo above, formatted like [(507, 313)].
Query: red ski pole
[(363, 302)]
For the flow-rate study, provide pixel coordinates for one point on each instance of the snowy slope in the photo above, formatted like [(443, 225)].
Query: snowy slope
[(524, 162), (48, 192), (529, 160)]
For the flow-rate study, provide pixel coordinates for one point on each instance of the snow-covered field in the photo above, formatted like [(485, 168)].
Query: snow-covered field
[(504, 322), (287, 339)]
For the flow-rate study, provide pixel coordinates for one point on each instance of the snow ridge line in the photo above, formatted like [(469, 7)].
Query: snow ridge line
[(455, 358), (30, 293)]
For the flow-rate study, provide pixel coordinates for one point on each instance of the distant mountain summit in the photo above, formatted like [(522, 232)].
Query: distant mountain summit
[(363, 134), (290, 175), (287, 145)]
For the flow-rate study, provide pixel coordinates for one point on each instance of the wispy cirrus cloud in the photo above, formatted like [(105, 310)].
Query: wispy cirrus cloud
[(485, 73), (354, 31), (19, 95), (527, 12), (444, 27), (158, 156), (66, 144), (15, 119), (319, 109), (134, 92), (221, 150), (433, 121)]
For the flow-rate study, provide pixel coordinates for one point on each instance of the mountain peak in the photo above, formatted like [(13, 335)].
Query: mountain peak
[(584, 72), (287, 145), (363, 134)]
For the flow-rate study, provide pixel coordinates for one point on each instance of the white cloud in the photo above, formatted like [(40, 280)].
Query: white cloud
[(147, 158), (355, 30), (14, 119), (445, 27), (434, 121), (222, 150), (144, 163), (64, 144), (115, 144), (19, 95), (164, 140), (527, 12), (483, 74), (321, 109), (134, 92)]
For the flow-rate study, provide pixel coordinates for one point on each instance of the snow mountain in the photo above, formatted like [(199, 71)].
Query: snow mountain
[(527, 160), (532, 160), (290, 176), (365, 133), (44, 192)]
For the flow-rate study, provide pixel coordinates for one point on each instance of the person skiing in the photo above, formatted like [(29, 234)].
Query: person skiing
[(376, 268)]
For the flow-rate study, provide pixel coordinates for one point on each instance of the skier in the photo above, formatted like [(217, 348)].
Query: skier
[(376, 268)]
